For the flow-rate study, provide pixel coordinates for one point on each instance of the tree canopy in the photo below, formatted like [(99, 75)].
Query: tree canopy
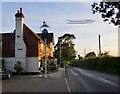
[(110, 11), (67, 47), (90, 54), (79, 57)]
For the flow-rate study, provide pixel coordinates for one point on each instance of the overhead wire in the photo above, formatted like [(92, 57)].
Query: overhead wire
[(75, 22)]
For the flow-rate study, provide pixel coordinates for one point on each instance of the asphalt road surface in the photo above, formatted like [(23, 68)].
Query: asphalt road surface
[(81, 80), (70, 81)]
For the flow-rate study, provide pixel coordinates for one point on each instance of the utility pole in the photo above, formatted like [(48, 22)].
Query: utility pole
[(118, 40), (45, 60), (99, 45), (60, 52), (45, 29), (84, 52)]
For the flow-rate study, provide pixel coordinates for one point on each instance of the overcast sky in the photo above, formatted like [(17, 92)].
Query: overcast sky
[(56, 14)]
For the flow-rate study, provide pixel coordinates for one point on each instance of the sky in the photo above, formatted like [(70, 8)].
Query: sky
[(56, 14)]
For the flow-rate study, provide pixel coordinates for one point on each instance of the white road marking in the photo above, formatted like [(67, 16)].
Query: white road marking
[(90, 75), (67, 86), (87, 74), (96, 77), (74, 73), (77, 69), (103, 80), (107, 81)]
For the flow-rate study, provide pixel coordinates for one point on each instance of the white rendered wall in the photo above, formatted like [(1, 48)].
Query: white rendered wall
[(20, 47), (9, 64), (32, 64)]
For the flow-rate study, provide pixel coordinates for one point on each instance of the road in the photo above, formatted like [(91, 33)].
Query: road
[(81, 80), (69, 81)]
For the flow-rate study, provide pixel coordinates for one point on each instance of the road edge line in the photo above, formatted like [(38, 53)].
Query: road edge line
[(66, 81), (67, 85)]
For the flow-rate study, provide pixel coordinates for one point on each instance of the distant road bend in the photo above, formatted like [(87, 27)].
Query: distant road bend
[(81, 80)]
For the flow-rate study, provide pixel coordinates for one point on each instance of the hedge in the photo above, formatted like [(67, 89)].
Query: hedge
[(105, 64)]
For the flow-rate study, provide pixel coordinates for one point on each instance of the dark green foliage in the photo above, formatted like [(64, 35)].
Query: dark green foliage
[(90, 54), (110, 11), (18, 67), (51, 67), (105, 64), (79, 57), (62, 64), (105, 53), (66, 44)]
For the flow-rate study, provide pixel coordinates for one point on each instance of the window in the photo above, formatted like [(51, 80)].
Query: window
[(18, 36), (20, 49)]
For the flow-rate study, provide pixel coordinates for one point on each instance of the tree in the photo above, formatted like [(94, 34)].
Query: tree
[(110, 11), (67, 47), (79, 57), (90, 54), (106, 53)]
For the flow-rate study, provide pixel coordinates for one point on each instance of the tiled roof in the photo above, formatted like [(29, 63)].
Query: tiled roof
[(8, 44), (25, 27), (30, 38)]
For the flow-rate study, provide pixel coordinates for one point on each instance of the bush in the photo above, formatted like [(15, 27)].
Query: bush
[(107, 64), (52, 67), (18, 67)]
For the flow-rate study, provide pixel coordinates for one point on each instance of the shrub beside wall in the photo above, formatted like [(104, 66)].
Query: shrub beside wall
[(105, 64)]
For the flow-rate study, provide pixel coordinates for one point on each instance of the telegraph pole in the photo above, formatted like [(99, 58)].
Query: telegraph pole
[(45, 60), (119, 40), (60, 52), (45, 29), (84, 52), (99, 45)]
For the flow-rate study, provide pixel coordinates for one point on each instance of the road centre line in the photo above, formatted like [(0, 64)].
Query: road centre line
[(106, 81), (87, 74), (103, 80), (83, 72), (98, 78), (74, 73)]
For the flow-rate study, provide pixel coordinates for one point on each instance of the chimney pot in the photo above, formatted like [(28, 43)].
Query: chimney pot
[(20, 10)]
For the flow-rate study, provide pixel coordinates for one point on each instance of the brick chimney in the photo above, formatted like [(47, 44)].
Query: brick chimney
[(19, 23), (20, 10), (19, 13), (20, 47)]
